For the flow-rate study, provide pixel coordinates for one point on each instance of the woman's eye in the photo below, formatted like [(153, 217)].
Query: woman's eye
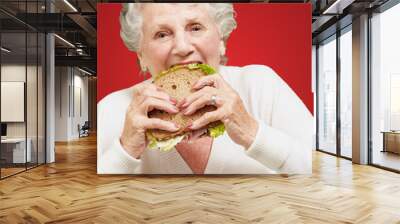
[(161, 35), (196, 27)]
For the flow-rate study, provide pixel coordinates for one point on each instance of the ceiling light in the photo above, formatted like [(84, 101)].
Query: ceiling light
[(70, 5), (84, 71), (5, 50), (337, 7), (65, 41), (79, 51)]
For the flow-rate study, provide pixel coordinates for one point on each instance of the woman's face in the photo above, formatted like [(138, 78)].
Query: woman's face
[(178, 34)]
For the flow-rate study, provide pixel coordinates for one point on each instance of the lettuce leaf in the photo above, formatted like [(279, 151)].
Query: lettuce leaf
[(217, 130), (204, 67), (165, 145), (168, 145)]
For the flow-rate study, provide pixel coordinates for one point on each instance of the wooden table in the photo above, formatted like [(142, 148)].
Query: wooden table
[(13, 150)]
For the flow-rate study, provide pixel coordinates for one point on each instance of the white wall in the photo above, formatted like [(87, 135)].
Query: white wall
[(71, 93), (61, 103), (80, 83)]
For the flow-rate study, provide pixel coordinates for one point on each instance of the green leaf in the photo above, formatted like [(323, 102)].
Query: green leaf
[(217, 130), (166, 145), (204, 67)]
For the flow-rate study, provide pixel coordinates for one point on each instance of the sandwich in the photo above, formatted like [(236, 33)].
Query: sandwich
[(177, 82)]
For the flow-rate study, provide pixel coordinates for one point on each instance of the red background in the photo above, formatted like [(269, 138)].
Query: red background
[(276, 35)]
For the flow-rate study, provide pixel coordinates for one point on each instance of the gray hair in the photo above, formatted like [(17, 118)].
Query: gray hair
[(131, 22)]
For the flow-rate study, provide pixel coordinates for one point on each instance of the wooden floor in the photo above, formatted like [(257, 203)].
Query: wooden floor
[(10, 171), (388, 159), (70, 191)]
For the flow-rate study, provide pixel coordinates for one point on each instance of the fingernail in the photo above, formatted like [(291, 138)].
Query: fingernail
[(185, 105), (186, 111), (194, 85), (181, 102), (188, 127), (173, 100)]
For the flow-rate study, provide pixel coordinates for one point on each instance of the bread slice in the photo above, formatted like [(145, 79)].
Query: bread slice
[(177, 82)]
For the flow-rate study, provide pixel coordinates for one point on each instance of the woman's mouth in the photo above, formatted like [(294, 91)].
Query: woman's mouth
[(186, 63)]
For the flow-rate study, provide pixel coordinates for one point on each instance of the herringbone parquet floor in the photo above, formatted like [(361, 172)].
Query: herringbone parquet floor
[(70, 191)]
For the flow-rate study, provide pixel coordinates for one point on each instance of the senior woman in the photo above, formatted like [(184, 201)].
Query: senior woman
[(268, 128)]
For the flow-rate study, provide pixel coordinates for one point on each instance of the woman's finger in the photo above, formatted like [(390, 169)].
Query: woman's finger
[(203, 100), (159, 95), (143, 86), (189, 99), (151, 103), (196, 95), (210, 80), (207, 118), (151, 86), (155, 123)]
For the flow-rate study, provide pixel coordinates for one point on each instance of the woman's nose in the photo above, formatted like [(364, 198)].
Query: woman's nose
[(183, 45)]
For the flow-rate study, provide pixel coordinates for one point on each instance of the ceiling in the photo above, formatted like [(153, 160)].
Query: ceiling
[(76, 22), (330, 16)]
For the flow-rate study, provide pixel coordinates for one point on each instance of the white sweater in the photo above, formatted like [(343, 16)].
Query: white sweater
[(283, 143)]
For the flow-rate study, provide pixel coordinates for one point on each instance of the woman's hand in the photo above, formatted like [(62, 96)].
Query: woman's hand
[(146, 97), (239, 124)]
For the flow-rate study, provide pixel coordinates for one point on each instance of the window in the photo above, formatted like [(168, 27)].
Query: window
[(385, 88), (346, 92), (327, 95)]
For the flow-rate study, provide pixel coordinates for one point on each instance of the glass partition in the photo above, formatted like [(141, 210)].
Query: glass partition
[(41, 107), (22, 88), (33, 65), (346, 93), (385, 89), (13, 103), (31, 100), (327, 95)]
